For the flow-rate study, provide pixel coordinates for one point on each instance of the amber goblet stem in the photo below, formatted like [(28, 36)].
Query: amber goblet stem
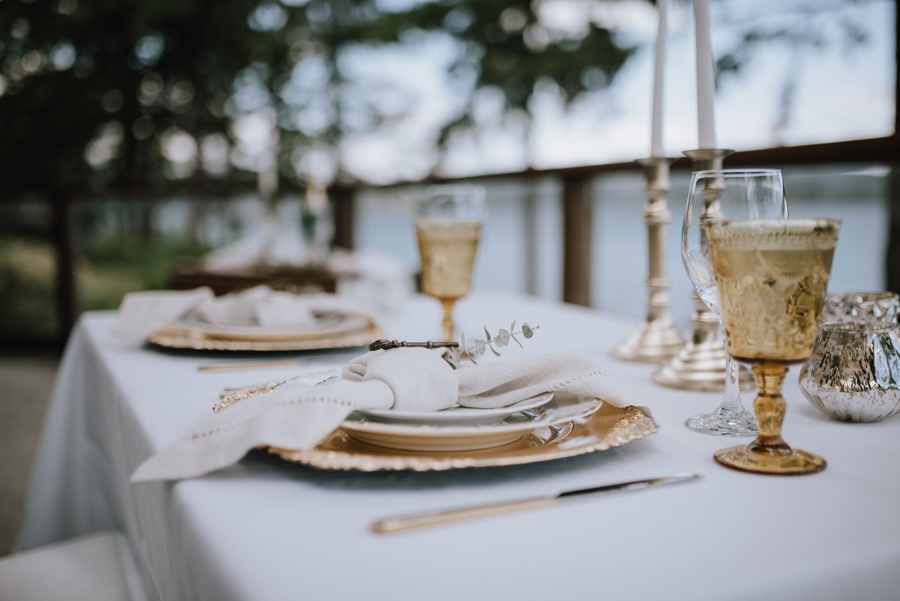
[(769, 407), (447, 324), (769, 454)]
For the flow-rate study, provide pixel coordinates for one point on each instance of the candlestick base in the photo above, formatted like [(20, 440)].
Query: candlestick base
[(700, 365), (656, 340)]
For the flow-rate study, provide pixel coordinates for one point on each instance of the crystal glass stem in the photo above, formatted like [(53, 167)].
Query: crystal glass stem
[(732, 398), (731, 418), (447, 325)]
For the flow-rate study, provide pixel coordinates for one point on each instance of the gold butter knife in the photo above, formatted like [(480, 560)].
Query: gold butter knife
[(397, 524)]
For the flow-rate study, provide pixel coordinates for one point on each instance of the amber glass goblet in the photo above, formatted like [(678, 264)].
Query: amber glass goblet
[(772, 276), (448, 229)]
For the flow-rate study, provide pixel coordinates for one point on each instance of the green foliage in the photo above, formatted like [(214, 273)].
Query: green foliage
[(27, 271), (126, 71), (134, 264), (508, 48), (501, 339), (104, 274)]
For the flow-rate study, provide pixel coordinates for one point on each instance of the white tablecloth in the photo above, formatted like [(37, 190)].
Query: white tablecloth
[(267, 529)]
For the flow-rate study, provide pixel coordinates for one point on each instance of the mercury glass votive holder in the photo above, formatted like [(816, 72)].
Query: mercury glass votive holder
[(854, 373), (868, 307)]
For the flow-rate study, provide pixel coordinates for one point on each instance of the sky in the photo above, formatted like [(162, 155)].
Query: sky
[(839, 91)]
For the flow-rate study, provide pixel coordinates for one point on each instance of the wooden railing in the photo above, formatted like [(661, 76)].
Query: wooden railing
[(575, 204), (576, 201)]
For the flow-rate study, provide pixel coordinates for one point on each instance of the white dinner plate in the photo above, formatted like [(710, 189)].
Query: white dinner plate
[(456, 415), (562, 409), (326, 324)]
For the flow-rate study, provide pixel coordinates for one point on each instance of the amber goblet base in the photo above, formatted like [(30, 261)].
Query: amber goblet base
[(769, 454)]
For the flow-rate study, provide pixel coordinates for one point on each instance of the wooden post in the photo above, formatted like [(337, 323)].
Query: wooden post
[(530, 235), (892, 259), (343, 213), (577, 240), (66, 296)]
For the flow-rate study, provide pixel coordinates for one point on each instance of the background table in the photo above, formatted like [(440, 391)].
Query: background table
[(268, 529)]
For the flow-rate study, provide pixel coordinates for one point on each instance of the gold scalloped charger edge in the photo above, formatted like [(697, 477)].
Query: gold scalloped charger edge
[(180, 337), (606, 428)]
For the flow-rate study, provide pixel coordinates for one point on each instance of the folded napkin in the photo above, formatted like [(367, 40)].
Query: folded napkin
[(405, 379), (143, 313)]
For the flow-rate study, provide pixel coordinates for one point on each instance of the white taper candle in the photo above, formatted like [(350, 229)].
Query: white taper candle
[(656, 137), (706, 88)]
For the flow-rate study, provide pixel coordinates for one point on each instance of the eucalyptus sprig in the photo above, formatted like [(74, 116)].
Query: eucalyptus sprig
[(499, 340)]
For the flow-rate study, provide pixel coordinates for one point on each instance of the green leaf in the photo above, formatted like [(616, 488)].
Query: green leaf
[(488, 334), (527, 332), (479, 346), (462, 341), (512, 334), (502, 338), (493, 350)]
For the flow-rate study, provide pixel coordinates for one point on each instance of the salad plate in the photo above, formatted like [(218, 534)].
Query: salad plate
[(418, 437), (456, 415)]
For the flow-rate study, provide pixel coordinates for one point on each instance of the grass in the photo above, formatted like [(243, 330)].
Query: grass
[(104, 273), (28, 305)]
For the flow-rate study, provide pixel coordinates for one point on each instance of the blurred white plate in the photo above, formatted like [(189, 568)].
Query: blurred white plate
[(326, 325)]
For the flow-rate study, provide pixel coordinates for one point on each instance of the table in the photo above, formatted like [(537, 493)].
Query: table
[(267, 529)]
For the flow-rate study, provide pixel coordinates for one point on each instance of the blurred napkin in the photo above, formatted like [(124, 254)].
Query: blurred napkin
[(143, 313), (405, 379)]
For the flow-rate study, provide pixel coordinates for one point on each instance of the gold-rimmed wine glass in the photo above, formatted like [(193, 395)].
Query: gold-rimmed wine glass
[(448, 229), (772, 276)]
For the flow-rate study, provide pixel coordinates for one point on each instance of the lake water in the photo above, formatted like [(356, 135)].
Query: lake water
[(521, 249)]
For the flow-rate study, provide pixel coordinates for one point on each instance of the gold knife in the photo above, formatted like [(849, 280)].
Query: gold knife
[(249, 365), (397, 524)]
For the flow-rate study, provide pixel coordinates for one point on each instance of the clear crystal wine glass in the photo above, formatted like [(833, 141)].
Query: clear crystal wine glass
[(714, 195)]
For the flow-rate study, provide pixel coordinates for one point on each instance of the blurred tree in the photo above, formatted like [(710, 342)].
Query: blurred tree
[(799, 28), (113, 91)]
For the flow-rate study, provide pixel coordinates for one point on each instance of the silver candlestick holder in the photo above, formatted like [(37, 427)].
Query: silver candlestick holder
[(700, 364), (656, 339)]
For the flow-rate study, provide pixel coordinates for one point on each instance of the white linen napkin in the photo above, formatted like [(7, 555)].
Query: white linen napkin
[(405, 379), (143, 313)]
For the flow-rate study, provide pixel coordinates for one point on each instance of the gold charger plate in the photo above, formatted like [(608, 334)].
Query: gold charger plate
[(604, 429), (186, 336)]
